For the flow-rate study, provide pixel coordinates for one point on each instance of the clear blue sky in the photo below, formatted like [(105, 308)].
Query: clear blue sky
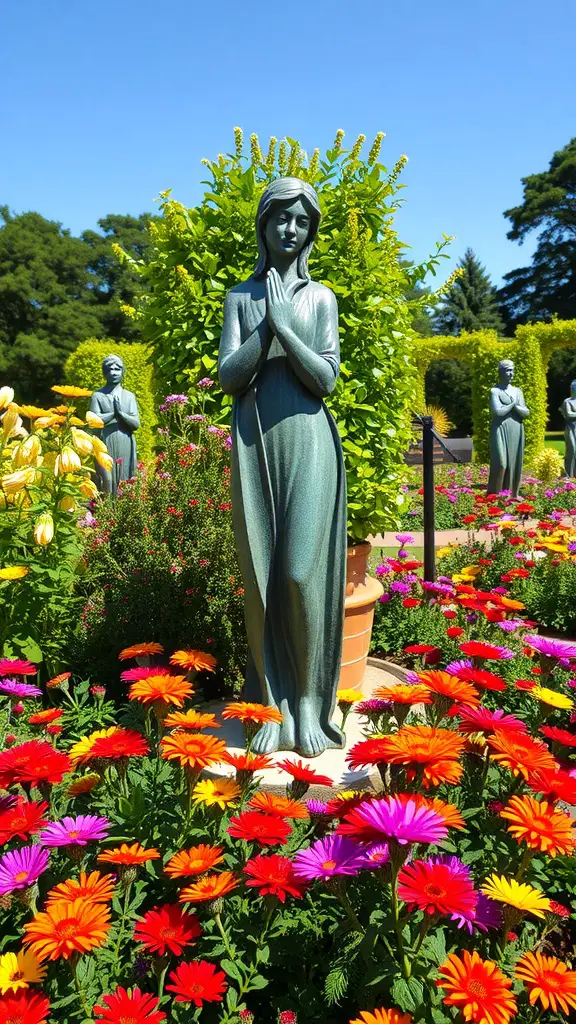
[(105, 104)]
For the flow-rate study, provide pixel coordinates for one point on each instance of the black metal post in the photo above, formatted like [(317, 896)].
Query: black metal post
[(428, 485)]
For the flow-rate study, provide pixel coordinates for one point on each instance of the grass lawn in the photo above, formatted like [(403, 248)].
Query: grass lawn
[(555, 439)]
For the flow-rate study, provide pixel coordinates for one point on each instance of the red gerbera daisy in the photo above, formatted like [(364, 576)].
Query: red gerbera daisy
[(16, 667), (22, 820), (478, 649), (481, 677), (24, 1007), (304, 773), (46, 717), (441, 885), (121, 743), (35, 761), (197, 982), (167, 929), (420, 648), (247, 762), (273, 875), (367, 752), (131, 1006), (260, 828), (562, 736), (554, 784)]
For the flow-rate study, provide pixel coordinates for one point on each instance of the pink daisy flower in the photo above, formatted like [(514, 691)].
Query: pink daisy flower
[(481, 719), (132, 675), (403, 821), (14, 688), (558, 649), (20, 868), (16, 667), (334, 855), (75, 831)]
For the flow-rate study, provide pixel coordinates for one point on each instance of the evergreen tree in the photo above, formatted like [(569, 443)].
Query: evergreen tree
[(471, 303)]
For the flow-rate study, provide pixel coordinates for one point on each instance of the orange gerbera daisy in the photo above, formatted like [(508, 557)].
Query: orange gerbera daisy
[(434, 751), (211, 887), (539, 826), (278, 806), (94, 888), (191, 719), (548, 981), (128, 855), (67, 928), (383, 1016), (256, 713), (478, 988), (194, 661), (521, 753), (162, 690), (140, 651), (46, 717), (192, 750), (449, 812), (443, 685), (58, 681), (403, 693), (194, 861)]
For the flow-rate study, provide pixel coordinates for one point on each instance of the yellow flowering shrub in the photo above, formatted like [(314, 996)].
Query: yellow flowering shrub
[(47, 459)]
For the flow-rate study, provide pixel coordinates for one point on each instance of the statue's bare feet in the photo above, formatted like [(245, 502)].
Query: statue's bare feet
[(287, 739), (312, 738), (267, 739)]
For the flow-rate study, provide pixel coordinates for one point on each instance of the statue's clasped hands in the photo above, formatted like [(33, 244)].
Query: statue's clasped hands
[(278, 305)]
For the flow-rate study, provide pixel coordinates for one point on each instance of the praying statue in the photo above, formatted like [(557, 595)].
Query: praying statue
[(568, 410), (280, 357), (119, 411), (508, 410)]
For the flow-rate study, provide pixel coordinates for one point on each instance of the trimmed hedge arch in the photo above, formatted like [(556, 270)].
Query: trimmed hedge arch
[(530, 349)]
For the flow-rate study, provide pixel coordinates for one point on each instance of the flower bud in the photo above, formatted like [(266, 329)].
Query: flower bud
[(81, 441), (11, 422), (67, 462), (104, 460), (44, 529), (67, 504), (14, 482), (28, 451), (88, 488), (17, 709), (6, 396), (98, 445), (94, 421)]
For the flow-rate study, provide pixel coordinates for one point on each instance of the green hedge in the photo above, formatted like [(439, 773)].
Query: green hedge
[(84, 369)]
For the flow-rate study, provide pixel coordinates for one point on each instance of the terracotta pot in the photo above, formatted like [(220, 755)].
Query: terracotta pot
[(362, 592)]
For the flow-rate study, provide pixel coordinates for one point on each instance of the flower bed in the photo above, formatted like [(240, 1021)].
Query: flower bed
[(136, 887)]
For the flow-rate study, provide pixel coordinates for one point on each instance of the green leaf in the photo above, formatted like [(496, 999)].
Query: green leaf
[(232, 970)]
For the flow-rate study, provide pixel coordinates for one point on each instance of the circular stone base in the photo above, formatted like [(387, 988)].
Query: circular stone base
[(332, 762)]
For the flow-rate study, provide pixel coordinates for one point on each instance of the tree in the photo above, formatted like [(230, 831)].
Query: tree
[(470, 304), (448, 384), (546, 287), (116, 283)]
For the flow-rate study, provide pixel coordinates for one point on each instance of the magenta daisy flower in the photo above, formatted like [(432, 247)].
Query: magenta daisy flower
[(399, 819), (376, 856), (317, 808), (16, 667), (481, 719), (132, 675), (20, 868), (454, 668), (510, 625), (14, 688), (373, 707), (334, 855), (557, 649), (404, 538), (75, 831), (487, 915)]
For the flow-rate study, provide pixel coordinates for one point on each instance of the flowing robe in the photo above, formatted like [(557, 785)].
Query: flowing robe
[(506, 439), (118, 436), (568, 410), (289, 507)]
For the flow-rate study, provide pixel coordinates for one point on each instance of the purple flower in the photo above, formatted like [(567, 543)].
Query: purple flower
[(454, 668), (437, 588), (196, 418), (7, 803), (404, 538), (402, 553), (13, 688), (75, 831), (384, 599), (373, 706), (20, 868), (205, 383), (228, 442), (400, 820), (487, 915), (551, 648), (317, 808), (383, 570), (398, 587), (376, 856), (87, 521), (334, 855), (572, 547), (176, 400), (510, 625)]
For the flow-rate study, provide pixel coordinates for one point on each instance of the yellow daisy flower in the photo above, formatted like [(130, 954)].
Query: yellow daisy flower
[(19, 970), (68, 391), (220, 792), (551, 697), (520, 895), (13, 572)]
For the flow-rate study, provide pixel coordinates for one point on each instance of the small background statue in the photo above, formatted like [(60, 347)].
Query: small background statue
[(280, 357), (568, 410), (119, 411), (508, 410)]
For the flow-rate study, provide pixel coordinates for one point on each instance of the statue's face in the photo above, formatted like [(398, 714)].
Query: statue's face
[(507, 373), (287, 229), (114, 373)]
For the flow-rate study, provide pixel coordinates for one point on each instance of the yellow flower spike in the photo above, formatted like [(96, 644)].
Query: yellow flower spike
[(13, 572), (44, 529), (94, 421), (81, 441), (27, 451), (6, 396), (67, 462)]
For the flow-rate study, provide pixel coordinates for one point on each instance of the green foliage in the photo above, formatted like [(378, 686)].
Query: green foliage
[(84, 368), (117, 285), (470, 304), (160, 560), (448, 384), (199, 253), (547, 287)]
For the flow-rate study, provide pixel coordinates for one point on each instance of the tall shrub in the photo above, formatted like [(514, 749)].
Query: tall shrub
[(199, 253), (84, 367)]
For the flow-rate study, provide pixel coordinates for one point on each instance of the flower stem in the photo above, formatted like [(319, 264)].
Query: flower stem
[(225, 940), (350, 912), (122, 920), (406, 969)]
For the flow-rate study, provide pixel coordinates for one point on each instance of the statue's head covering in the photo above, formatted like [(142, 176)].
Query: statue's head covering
[(280, 192), (109, 360), (505, 363)]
